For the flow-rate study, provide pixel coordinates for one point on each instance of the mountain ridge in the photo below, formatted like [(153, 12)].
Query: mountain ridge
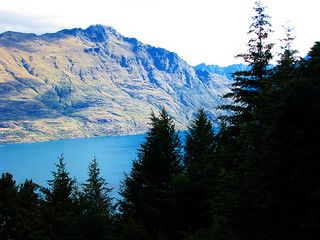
[(226, 71), (95, 82)]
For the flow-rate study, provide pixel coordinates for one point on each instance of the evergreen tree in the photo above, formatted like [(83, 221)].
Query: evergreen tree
[(147, 191), (60, 209), (293, 140), (244, 193), (133, 231), (31, 225), (249, 84), (96, 206), (269, 183), (200, 171), (306, 102), (20, 216), (279, 80), (199, 144), (8, 207)]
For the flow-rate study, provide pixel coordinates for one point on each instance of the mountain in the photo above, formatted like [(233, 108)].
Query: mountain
[(223, 71), (95, 82)]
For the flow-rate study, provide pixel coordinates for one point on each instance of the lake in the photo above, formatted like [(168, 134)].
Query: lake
[(36, 160)]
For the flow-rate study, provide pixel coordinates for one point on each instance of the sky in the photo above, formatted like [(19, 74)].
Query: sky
[(199, 31)]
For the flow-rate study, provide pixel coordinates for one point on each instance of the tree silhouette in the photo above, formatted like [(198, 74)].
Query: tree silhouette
[(147, 191), (96, 205)]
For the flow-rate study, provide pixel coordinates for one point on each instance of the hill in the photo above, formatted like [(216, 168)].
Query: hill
[(95, 82)]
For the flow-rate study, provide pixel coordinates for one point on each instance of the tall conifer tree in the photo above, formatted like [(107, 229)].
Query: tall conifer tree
[(20, 216), (269, 190), (239, 207), (147, 190), (293, 141), (96, 206), (199, 144), (30, 219), (200, 171), (8, 207), (60, 216)]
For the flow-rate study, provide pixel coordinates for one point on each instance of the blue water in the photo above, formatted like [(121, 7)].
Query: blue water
[(36, 160)]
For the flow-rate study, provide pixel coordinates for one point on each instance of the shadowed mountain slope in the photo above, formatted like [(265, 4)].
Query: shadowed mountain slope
[(94, 82)]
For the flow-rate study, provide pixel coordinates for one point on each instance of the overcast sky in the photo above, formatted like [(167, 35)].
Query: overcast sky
[(199, 31)]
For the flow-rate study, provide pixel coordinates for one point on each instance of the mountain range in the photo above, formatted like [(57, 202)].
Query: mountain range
[(95, 82), (223, 71)]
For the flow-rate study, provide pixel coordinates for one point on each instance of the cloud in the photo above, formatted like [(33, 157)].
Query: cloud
[(10, 21)]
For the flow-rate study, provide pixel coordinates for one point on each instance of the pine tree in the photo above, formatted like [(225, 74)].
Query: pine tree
[(133, 231), (244, 194), (305, 99), (293, 142), (147, 191), (20, 216), (8, 207), (199, 144), (249, 84), (96, 206), (200, 171), (61, 208), (270, 187), (30, 219)]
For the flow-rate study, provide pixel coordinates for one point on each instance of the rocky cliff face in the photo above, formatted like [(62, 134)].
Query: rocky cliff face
[(94, 82), (223, 71)]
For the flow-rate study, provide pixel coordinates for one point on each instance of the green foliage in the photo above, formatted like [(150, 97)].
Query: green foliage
[(243, 176), (30, 217), (61, 186), (199, 144), (20, 212), (269, 171), (200, 174), (293, 143), (96, 206), (133, 231), (160, 154), (147, 191), (61, 205), (8, 207)]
